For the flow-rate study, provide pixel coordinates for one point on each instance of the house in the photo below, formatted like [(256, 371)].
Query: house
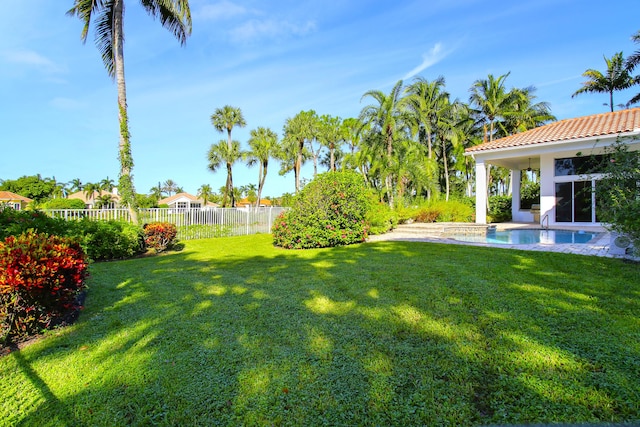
[(98, 199), (560, 150), (185, 201), (244, 203), (14, 200)]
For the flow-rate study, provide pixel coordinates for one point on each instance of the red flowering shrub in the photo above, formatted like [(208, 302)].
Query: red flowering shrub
[(41, 277), (160, 235)]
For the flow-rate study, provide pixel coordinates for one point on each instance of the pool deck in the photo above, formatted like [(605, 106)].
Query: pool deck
[(434, 232)]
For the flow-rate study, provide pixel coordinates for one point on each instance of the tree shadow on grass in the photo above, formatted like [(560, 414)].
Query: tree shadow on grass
[(392, 333)]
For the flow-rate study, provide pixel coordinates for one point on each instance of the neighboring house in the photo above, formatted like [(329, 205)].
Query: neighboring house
[(185, 201), (246, 203), (14, 200), (560, 150), (99, 199)]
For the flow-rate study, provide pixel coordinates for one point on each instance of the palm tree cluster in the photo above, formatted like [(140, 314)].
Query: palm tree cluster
[(408, 143)]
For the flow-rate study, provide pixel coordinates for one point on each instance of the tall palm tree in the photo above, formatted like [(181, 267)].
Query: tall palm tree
[(298, 131), (385, 118), (221, 154), (616, 77), (174, 15), (225, 119), (330, 134), (205, 192), (157, 191), (631, 63), (492, 101), (524, 114), (263, 144), (423, 102)]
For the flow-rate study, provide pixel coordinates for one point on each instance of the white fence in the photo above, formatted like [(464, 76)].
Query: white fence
[(191, 223)]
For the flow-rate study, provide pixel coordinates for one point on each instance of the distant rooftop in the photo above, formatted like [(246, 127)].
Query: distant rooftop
[(606, 124)]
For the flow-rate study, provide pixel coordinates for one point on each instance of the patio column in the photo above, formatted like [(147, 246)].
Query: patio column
[(515, 195), (481, 192)]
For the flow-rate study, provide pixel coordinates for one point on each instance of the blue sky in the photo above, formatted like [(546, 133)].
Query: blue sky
[(273, 60)]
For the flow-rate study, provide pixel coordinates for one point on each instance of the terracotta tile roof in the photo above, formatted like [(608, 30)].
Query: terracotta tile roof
[(178, 196), (622, 121), (8, 195), (81, 195)]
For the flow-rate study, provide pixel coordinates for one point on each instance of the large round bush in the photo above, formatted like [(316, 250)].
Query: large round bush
[(329, 211)]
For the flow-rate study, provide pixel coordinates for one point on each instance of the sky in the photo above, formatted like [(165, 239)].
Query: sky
[(58, 109)]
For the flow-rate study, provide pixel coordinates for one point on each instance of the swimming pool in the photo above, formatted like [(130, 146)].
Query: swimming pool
[(527, 237)]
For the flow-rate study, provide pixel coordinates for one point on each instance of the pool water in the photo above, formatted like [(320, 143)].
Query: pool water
[(527, 237)]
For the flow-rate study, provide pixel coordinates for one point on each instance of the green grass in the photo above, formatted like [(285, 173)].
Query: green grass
[(233, 331)]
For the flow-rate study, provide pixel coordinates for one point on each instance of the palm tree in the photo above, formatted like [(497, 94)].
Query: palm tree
[(263, 143), (330, 133), (104, 201), (220, 153), (299, 130), (205, 192), (617, 77), (632, 62), (75, 185), (525, 114), (107, 184), (385, 120), (170, 187), (90, 189), (492, 100), (157, 191), (423, 102), (226, 118), (174, 15)]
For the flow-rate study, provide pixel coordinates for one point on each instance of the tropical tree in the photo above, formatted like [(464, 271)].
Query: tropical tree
[(104, 201), (157, 191), (492, 101), (616, 77), (524, 114), (170, 187), (330, 134), (385, 119), (90, 189), (263, 144), (225, 119), (75, 185), (220, 154), (205, 192), (631, 63), (107, 184), (298, 131), (174, 15)]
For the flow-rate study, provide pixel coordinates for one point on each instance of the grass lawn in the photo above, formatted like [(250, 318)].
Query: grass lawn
[(233, 331)]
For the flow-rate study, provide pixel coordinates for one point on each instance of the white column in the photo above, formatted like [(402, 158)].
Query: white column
[(481, 193), (515, 195)]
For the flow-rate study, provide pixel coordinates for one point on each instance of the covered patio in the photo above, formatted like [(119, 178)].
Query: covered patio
[(562, 152)]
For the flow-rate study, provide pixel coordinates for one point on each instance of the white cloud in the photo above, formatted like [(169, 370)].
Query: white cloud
[(222, 10), (254, 29), (66, 103), (31, 59), (435, 55)]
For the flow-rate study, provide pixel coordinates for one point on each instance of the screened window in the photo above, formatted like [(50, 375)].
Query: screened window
[(580, 165)]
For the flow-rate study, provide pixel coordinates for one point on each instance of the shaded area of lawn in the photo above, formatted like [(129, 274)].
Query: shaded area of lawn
[(233, 331)]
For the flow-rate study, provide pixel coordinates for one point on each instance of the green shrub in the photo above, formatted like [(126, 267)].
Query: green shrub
[(529, 194), (40, 279), (379, 216), (444, 211), (160, 235), (329, 211), (108, 240), (14, 223), (63, 204), (499, 208)]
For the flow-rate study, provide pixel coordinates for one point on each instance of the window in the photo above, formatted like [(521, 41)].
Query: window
[(182, 205), (579, 165)]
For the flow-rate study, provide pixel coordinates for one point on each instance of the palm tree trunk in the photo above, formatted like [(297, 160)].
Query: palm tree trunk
[(230, 185), (446, 169)]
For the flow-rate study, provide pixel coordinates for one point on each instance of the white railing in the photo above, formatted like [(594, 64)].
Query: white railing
[(191, 223)]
